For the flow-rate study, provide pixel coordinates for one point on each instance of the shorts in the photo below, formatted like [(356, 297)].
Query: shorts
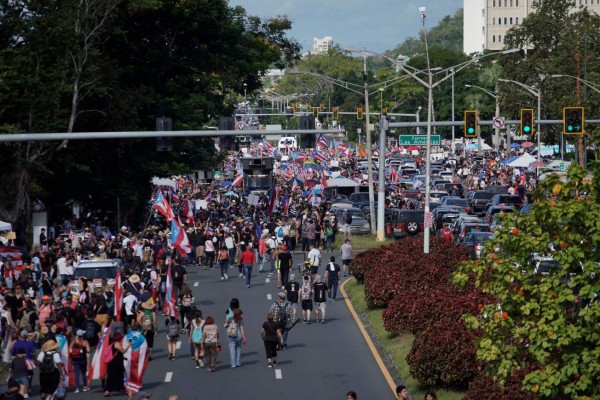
[(314, 269), (307, 305), (199, 251), (23, 380), (320, 306), (346, 228), (346, 262)]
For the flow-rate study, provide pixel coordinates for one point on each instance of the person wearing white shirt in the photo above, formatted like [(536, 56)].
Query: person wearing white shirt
[(129, 304), (61, 266), (314, 256), (230, 244)]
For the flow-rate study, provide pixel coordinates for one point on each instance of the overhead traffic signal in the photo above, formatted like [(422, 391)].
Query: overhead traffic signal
[(335, 113), (359, 113), (573, 120), (470, 123), (526, 121)]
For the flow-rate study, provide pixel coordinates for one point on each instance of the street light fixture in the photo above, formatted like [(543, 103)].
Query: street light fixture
[(538, 94)]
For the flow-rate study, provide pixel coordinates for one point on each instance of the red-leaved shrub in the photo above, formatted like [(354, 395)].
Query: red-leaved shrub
[(366, 260), (485, 388), (443, 355), (415, 310)]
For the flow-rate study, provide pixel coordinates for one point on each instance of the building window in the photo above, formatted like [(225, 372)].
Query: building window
[(493, 38), (494, 3), (517, 20), (511, 3), (505, 20), (516, 3), (483, 12), (505, 3), (510, 20), (499, 38)]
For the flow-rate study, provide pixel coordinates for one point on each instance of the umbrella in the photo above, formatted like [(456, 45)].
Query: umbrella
[(527, 144), (225, 183), (515, 145), (230, 193)]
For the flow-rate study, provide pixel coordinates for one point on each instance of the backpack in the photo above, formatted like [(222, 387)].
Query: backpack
[(172, 330), (281, 315), (107, 354), (328, 231), (197, 333), (25, 321), (77, 352), (232, 328), (280, 232), (147, 322), (90, 330), (47, 365)]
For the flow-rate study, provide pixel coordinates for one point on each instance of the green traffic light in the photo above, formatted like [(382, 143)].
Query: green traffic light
[(527, 129), (471, 130), (570, 128)]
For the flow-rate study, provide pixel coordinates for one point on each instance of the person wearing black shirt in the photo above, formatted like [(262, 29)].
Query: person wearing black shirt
[(332, 276), (320, 293), (179, 275), (291, 290), (285, 264)]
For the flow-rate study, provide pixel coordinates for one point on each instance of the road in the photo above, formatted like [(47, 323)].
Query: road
[(323, 361)]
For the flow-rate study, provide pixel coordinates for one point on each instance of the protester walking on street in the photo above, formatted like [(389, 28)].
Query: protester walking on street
[(292, 289), (320, 292), (271, 336), (173, 329), (346, 250), (332, 276), (282, 312), (224, 262), (115, 370), (285, 264), (306, 292), (234, 327), (50, 366), (196, 334), (248, 260), (210, 341), (78, 351)]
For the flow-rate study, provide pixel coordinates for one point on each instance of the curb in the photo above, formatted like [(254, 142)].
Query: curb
[(365, 334)]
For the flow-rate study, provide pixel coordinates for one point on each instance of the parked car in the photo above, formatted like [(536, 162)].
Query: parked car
[(467, 228), (446, 214), (460, 189), (401, 223), (359, 199), (359, 225), (493, 210), (506, 200), (478, 200), (455, 201), (474, 242)]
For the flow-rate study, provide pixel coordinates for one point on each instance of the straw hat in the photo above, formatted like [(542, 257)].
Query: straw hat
[(134, 278)]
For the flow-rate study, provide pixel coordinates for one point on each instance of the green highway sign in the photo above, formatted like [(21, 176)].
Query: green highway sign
[(419, 140)]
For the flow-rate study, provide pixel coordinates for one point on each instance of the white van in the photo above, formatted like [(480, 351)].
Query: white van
[(95, 271), (286, 144)]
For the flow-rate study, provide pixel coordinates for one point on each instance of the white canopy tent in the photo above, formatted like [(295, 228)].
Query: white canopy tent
[(163, 182), (523, 162), (5, 226), (341, 181)]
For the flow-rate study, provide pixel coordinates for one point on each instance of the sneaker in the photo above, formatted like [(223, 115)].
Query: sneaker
[(323, 321), (222, 278), (303, 321), (197, 365), (26, 396), (241, 276), (247, 286), (270, 365), (87, 388), (226, 277), (76, 391), (308, 322), (274, 363), (201, 363)]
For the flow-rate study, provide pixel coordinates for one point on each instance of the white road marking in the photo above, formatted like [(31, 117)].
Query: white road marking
[(168, 377), (178, 344), (268, 296), (196, 284), (278, 374), (267, 280)]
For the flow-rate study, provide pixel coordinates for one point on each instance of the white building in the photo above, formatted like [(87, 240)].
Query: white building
[(322, 45), (486, 22)]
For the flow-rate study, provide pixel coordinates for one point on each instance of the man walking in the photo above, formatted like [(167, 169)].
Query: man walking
[(291, 290), (314, 257), (285, 264), (346, 256), (283, 315), (332, 277), (248, 260), (320, 292)]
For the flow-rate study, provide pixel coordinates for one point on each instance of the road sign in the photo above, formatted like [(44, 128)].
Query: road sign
[(428, 220), (561, 167), (418, 140), (498, 122)]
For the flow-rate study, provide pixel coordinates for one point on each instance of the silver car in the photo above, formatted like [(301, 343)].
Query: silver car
[(359, 225)]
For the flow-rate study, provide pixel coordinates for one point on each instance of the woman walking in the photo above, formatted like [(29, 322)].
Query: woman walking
[(210, 341), (235, 337), (115, 370), (50, 368), (224, 262), (79, 350), (196, 334), (186, 299), (271, 335)]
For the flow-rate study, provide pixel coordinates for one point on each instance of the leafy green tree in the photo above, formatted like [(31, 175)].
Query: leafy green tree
[(544, 323)]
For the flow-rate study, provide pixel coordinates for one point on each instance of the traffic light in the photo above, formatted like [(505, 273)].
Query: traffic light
[(315, 111), (526, 121), (335, 113), (471, 123), (573, 120), (359, 113)]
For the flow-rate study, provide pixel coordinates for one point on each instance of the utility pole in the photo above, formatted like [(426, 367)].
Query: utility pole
[(369, 150)]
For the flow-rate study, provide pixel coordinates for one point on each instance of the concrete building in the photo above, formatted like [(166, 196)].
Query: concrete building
[(486, 22), (322, 45)]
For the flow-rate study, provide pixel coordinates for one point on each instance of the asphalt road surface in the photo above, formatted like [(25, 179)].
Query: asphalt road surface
[(322, 361)]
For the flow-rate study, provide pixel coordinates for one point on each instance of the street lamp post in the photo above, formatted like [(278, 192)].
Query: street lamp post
[(495, 96), (538, 94)]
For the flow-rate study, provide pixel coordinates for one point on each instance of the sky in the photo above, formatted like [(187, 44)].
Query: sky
[(377, 25)]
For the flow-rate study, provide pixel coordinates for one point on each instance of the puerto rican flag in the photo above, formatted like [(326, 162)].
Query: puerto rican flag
[(285, 203), (323, 179), (268, 146), (188, 212), (136, 360), (239, 176), (322, 142), (173, 194), (118, 289), (170, 306), (295, 185), (162, 205), (97, 368), (273, 206), (318, 157), (65, 360), (179, 239)]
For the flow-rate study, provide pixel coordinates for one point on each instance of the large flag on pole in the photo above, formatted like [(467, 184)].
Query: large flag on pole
[(118, 297), (322, 142), (65, 360), (97, 367), (162, 205), (179, 239), (170, 306), (188, 212)]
